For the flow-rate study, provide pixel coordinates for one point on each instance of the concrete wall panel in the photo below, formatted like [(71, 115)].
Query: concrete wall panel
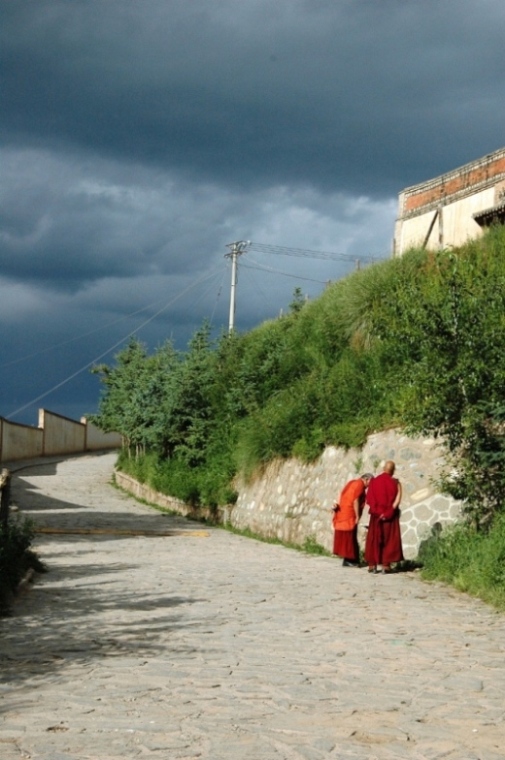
[(61, 435), (457, 223), (20, 441), (54, 435), (97, 440)]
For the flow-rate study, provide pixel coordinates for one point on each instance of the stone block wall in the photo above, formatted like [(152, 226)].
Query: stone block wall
[(292, 500)]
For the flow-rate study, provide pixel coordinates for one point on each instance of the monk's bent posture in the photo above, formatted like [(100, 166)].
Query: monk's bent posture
[(347, 512), (384, 541)]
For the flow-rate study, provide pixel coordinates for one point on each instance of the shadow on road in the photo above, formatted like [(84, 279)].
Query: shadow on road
[(94, 601)]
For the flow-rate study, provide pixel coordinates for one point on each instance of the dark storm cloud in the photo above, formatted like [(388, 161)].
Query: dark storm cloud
[(140, 137), (64, 224), (337, 94)]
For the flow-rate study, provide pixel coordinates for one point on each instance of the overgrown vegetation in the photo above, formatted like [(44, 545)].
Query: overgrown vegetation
[(16, 559), (415, 342), (472, 561)]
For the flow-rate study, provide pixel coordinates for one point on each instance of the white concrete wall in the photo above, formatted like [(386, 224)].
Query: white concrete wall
[(61, 435), (54, 435), (97, 440), (19, 441), (457, 221)]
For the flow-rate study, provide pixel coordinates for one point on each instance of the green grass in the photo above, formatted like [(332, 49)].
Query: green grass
[(309, 546), (473, 562), (414, 342), (157, 507)]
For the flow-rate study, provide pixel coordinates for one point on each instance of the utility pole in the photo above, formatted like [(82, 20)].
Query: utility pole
[(236, 249)]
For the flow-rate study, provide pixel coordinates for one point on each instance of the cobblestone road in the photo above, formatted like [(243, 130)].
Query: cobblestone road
[(203, 644)]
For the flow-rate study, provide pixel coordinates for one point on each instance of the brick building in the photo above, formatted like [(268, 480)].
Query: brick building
[(450, 209)]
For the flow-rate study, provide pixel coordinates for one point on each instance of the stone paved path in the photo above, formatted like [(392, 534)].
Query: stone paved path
[(207, 645)]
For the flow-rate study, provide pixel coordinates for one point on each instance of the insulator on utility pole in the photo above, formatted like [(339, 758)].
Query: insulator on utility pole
[(236, 249)]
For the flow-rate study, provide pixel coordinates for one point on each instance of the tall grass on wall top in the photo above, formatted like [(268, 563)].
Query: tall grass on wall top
[(414, 342), (451, 318)]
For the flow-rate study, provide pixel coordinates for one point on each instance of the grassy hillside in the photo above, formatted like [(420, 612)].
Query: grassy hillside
[(415, 342)]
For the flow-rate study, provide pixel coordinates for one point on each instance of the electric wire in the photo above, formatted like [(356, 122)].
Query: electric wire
[(111, 348), (257, 247), (208, 290), (258, 287), (277, 271), (79, 337), (307, 253), (218, 296)]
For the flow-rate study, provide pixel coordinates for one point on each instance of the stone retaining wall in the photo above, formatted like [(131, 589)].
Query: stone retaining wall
[(144, 492), (292, 501)]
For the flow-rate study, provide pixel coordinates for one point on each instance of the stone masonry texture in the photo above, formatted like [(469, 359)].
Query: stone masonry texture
[(292, 501)]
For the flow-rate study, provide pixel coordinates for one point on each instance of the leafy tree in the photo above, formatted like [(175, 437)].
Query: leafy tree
[(120, 407), (447, 329), (160, 391), (415, 342), (191, 409), (298, 301)]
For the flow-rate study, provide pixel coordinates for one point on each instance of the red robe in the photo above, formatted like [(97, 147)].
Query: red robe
[(345, 524), (384, 539)]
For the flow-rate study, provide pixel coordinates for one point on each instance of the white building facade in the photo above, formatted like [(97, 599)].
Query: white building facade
[(452, 208)]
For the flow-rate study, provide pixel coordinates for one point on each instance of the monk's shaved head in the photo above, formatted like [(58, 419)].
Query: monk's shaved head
[(389, 467)]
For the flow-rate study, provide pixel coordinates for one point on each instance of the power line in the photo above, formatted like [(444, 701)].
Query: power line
[(236, 249), (244, 246), (307, 253), (218, 296), (79, 337), (258, 247), (111, 348), (285, 274)]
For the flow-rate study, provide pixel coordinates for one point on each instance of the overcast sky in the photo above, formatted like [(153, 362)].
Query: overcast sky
[(140, 137)]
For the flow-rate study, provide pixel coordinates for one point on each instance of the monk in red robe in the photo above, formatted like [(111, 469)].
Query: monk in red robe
[(384, 541), (347, 512)]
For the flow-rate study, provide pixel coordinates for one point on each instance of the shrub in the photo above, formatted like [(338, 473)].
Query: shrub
[(15, 559), (415, 342), (473, 561)]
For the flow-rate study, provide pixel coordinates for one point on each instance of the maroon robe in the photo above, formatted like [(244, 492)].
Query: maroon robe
[(384, 540)]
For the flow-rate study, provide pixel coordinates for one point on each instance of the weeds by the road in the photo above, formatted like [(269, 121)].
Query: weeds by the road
[(16, 559), (470, 560), (309, 546)]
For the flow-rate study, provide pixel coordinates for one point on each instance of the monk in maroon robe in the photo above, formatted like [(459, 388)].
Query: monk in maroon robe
[(384, 541), (347, 512)]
